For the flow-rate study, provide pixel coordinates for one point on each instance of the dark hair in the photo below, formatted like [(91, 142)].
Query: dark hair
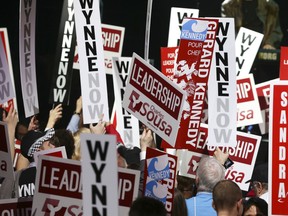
[(147, 206), (186, 186), (66, 139), (2, 110), (261, 205), (179, 204)]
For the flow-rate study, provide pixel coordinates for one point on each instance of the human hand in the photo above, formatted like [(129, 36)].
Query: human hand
[(147, 139), (11, 119), (34, 123), (268, 46), (99, 128), (220, 155), (54, 115)]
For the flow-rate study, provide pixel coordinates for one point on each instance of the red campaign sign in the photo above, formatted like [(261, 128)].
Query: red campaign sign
[(168, 57), (244, 90), (193, 67), (278, 150), (60, 179), (263, 93), (126, 188), (111, 39), (284, 63), (170, 182), (168, 99), (16, 207)]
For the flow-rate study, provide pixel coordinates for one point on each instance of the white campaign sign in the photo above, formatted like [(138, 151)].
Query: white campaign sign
[(27, 57), (99, 173), (91, 59), (177, 16), (222, 99), (247, 46), (127, 124)]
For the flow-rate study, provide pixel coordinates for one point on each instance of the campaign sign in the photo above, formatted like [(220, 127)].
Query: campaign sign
[(221, 91), (99, 174), (6, 166), (5, 41), (284, 63), (154, 99), (91, 58), (113, 38), (243, 155), (58, 187), (168, 59), (157, 188), (126, 124), (64, 56), (248, 108), (247, 46), (177, 16), (263, 92), (13, 207), (278, 148), (128, 188), (59, 152), (191, 74), (27, 57), (6, 86)]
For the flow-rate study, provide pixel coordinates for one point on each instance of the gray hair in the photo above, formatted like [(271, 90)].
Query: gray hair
[(209, 173)]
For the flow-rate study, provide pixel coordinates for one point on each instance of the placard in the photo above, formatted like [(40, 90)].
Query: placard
[(278, 163), (99, 174), (154, 99), (19, 207), (283, 63), (58, 187)]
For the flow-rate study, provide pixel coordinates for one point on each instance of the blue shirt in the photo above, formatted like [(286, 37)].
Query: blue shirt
[(201, 205)]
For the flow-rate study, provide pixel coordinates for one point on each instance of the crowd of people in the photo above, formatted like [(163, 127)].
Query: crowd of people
[(208, 194)]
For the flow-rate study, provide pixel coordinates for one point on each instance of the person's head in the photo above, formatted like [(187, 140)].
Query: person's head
[(186, 186), (128, 157), (37, 140), (227, 197), (208, 174), (66, 139), (147, 206), (259, 180), (179, 204), (2, 112), (255, 206)]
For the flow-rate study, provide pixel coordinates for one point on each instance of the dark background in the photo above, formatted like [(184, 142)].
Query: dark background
[(130, 14)]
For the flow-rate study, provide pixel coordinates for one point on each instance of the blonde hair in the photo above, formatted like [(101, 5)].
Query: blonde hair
[(77, 152)]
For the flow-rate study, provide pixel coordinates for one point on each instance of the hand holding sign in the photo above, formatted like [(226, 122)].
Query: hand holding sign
[(147, 139), (54, 115)]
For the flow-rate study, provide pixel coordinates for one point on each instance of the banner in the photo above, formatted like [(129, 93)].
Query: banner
[(27, 57), (58, 187), (222, 98), (159, 177), (247, 46), (91, 58), (126, 124), (284, 63), (64, 56), (243, 155), (191, 74), (278, 163), (6, 165), (263, 92), (128, 188), (168, 59), (177, 16), (13, 207), (154, 99), (248, 108), (99, 174)]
